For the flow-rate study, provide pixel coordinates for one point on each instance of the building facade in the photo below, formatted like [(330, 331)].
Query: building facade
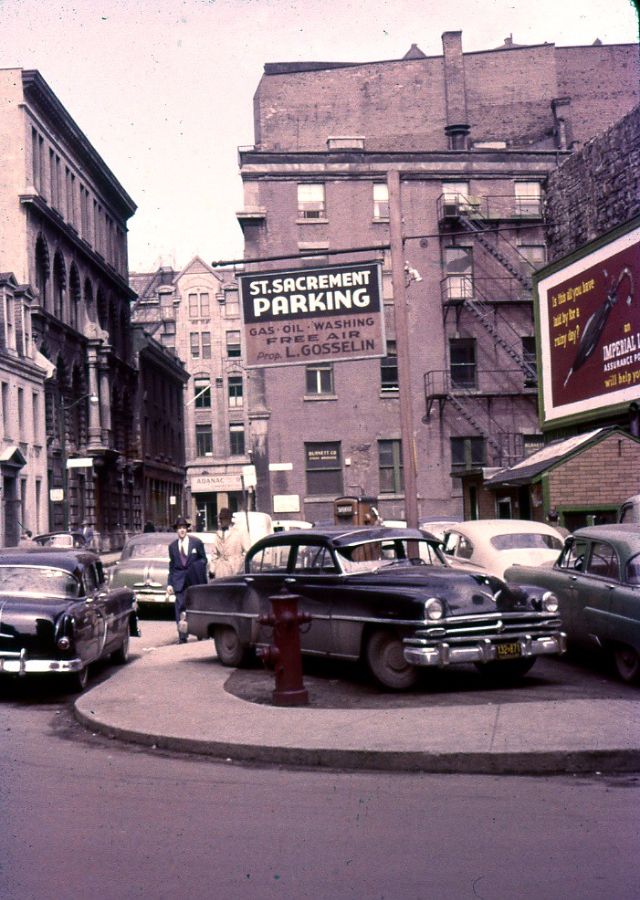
[(437, 166), (195, 313), (23, 449), (63, 230)]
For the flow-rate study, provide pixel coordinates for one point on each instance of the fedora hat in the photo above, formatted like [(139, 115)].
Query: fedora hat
[(181, 522)]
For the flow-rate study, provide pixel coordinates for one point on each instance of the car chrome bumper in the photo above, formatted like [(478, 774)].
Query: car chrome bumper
[(484, 651), (21, 664)]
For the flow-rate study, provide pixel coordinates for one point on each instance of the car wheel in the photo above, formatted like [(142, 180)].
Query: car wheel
[(509, 670), (385, 660), (121, 655), (230, 650), (627, 663), (76, 682)]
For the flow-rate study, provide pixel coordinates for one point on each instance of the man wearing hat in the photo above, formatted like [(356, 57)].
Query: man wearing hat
[(230, 545), (187, 566)]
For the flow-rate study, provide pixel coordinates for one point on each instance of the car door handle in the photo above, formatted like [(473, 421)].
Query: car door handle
[(573, 577), (249, 580), (290, 580)]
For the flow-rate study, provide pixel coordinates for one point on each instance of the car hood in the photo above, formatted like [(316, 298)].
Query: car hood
[(461, 589)]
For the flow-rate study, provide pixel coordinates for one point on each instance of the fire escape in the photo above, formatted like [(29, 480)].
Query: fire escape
[(490, 301)]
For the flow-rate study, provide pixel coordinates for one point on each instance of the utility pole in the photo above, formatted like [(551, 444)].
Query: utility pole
[(402, 348)]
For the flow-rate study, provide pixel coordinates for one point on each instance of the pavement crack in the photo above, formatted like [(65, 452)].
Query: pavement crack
[(495, 728)]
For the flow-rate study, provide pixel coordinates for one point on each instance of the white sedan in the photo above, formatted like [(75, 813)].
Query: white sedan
[(492, 545)]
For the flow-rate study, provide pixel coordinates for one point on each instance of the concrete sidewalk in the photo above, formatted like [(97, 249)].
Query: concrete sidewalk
[(174, 697)]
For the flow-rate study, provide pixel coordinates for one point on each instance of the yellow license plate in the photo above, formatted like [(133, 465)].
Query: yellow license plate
[(508, 650)]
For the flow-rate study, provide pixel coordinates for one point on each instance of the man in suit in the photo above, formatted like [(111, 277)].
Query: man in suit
[(187, 566)]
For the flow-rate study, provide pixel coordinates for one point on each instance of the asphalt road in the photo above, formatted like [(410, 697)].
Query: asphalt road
[(82, 816)]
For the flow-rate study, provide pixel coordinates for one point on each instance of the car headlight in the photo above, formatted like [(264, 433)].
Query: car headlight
[(550, 602), (433, 608), (64, 643)]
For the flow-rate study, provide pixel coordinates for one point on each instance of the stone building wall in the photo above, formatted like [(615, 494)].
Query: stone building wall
[(595, 190)]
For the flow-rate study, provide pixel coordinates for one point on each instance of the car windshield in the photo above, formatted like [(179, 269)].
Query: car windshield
[(373, 555), (526, 541), (42, 581), (148, 551)]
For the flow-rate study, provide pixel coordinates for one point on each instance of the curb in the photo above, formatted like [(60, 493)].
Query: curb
[(531, 763)]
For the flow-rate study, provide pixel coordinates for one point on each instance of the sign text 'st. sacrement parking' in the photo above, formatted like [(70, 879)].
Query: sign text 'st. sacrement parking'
[(307, 315)]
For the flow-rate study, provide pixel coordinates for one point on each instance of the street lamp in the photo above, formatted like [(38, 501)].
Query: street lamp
[(63, 408)]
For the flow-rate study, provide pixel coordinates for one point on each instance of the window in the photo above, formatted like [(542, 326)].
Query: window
[(202, 393), (462, 354), (206, 344), (529, 357), (603, 561), (231, 305), (458, 265), (21, 412), (454, 197), (390, 466), (468, 452), (389, 369), (204, 440), (235, 391), (532, 257), (233, 343), (323, 468), (311, 201), (199, 306), (194, 339), (528, 198), (236, 440), (35, 411), (380, 201), (9, 320), (319, 379)]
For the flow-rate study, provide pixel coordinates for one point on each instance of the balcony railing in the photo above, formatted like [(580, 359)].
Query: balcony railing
[(458, 288), (491, 208), (473, 382)]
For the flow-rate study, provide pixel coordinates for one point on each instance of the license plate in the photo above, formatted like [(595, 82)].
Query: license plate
[(508, 650)]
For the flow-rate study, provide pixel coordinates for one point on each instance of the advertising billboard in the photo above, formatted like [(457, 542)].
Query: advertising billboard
[(309, 315), (589, 327)]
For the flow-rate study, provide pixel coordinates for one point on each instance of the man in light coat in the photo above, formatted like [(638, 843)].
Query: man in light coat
[(230, 545)]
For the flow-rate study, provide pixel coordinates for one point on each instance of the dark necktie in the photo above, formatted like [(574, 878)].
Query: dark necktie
[(183, 557)]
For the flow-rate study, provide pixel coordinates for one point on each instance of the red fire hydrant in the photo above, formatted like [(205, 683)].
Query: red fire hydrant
[(285, 657)]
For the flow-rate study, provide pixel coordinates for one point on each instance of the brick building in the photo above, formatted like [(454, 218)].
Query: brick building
[(63, 230), (195, 313), (456, 149), (593, 227)]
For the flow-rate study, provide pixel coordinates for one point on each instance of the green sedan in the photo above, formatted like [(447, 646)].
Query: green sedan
[(597, 582)]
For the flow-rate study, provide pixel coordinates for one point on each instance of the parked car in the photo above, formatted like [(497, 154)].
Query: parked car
[(64, 539), (597, 582), (58, 616), (144, 565), (492, 545), (438, 525), (383, 595), (290, 524)]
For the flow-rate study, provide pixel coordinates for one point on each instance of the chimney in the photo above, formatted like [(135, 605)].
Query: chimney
[(457, 127)]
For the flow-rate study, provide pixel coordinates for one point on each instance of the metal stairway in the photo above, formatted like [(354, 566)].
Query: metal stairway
[(477, 226)]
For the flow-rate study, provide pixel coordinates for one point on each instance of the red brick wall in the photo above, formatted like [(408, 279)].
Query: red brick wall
[(605, 474)]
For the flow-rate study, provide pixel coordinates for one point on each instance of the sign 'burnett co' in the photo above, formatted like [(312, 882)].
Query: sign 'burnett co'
[(307, 315)]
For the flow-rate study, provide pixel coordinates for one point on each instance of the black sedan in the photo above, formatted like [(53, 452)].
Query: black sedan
[(597, 582), (384, 595), (57, 615)]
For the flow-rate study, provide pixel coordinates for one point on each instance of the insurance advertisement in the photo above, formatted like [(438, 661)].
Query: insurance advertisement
[(589, 325), (312, 315)]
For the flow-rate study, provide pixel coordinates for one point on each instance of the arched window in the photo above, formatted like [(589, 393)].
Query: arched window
[(59, 285), (43, 269), (103, 310), (88, 301), (75, 297)]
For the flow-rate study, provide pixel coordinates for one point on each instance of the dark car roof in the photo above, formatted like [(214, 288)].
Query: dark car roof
[(67, 559), (344, 535)]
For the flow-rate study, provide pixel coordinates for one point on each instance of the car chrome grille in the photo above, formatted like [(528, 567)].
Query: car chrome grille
[(458, 629)]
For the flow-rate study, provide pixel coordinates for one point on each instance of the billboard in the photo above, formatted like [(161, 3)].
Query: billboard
[(589, 328), (312, 315)]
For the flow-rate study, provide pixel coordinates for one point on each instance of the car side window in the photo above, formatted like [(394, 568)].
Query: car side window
[(270, 560), (465, 548), (90, 581), (603, 561), (633, 570), (574, 555), (450, 541), (314, 560)]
